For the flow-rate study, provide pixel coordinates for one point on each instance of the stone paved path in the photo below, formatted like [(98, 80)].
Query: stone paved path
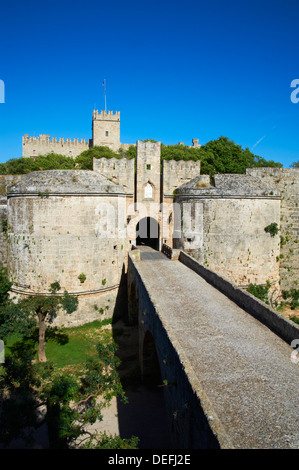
[(244, 368)]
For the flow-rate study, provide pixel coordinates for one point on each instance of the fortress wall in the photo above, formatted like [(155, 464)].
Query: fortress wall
[(41, 145), (176, 173), (286, 180), (119, 171), (5, 180), (227, 236), (57, 238), (3, 240)]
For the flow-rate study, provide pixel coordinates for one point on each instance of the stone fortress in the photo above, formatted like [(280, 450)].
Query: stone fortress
[(77, 226), (105, 131)]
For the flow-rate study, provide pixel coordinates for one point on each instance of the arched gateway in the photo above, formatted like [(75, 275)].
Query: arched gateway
[(148, 233)]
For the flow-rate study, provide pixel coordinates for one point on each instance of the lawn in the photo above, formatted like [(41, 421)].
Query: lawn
[(69, 348)]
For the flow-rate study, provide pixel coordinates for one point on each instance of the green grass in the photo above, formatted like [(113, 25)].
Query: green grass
[(75, 345), (69, 348)]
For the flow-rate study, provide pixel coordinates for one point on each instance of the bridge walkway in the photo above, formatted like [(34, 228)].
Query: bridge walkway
[(244, 369)]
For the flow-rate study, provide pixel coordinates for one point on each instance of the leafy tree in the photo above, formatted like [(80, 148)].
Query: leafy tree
[(50, 161), (13, 320), (84, 161), (72, 404), (224, 156), (295, 164), (5, 285), (128, 153), (217, 156), (46, 308), (179, 152)]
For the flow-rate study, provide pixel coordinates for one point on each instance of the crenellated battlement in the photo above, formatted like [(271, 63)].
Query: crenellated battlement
[(118, 170), (43, 144), (176, 173), (112, 163), (46, 138), (105, 115), (186, 165)]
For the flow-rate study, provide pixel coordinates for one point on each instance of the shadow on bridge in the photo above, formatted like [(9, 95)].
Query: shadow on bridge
[(145, 414)]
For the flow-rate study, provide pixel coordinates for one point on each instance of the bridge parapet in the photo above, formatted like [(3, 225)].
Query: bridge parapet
[(220, 368), (170, 252), (284, 328)]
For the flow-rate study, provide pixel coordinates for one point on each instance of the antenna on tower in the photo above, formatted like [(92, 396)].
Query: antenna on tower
[(104, 85)]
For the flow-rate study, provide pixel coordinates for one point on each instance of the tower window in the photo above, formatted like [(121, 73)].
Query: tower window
[(148, 167), (107, 133)]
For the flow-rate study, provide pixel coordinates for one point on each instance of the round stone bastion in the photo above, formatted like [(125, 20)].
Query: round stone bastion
[(68, 226), (221, 222)]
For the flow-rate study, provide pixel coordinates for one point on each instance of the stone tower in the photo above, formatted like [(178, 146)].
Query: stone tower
[(148, 173), (106, 129), (148, 193)]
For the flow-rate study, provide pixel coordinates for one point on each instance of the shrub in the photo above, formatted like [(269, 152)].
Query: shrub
[(82, 278), (261, 292), (293, 296), (272, 229)]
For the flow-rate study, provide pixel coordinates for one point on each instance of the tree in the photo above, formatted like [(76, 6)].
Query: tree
[(295, 164), (50, 161), (46, 308), (179, 152), (73, 404), (224, 156), (129, 153), (13, 319), (84, 161), (26, 386)]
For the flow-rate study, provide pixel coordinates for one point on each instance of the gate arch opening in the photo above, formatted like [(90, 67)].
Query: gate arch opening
[(148, 233)]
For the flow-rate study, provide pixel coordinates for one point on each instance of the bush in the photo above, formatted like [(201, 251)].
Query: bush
[(272, 229), (261, 292), (50, 161), (292, 297)]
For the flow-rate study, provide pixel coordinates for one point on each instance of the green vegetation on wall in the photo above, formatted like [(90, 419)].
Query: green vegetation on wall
[(217, 156), (272, 229), (261, 292)]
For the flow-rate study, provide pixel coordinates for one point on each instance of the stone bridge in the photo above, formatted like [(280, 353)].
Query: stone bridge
[(224, 359)]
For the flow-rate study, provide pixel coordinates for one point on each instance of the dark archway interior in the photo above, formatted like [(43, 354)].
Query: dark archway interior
[(148, 232), (151, 374)]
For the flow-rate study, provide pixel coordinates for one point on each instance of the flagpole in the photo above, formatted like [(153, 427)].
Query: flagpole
[(104, 83)]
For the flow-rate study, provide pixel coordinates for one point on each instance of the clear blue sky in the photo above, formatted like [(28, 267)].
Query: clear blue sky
[(176, 70)]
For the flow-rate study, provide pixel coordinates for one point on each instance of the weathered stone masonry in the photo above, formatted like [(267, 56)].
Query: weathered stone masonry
[(55, 233), (286, 181), (55, 220)]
